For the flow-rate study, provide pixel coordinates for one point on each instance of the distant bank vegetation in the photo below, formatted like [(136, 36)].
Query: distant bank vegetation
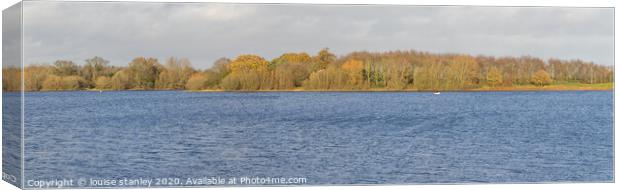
[(393, 70)]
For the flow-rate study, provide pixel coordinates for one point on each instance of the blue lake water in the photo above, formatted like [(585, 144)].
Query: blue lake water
[(328, 138), (11, 137)]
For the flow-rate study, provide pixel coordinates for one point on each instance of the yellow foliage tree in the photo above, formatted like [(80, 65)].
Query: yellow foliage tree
[(144, 72), (120, 80), (103, 82), (196, 82), (541, 78), (248, 72), (174, 74), (302, 57), (322, 59), (73, 83), (34, 75), (354, 69), (494, 77), (466, 70), (11, 79), (245, 63), (330, 78), (52, 83), (231, 82)]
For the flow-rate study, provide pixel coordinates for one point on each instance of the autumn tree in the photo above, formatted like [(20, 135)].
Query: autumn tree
[(245, 63), (55, 83), (318, 80), (290, 58), (65, 68), (210, 78), (103, 82), (431, 77), (232, 82), (291, 69), (174, 74), (398, 74), (73, 83), (34, 76), (11, 78), (464, 71), (494, 77), (196, 82), (396, 70), (541, 78), (94, 68), (322, 59), (143, 72), (121, 80), (219, 70), (217, 73), (284, 77), (52, 83), (354, 69), (333, 77), (247, 73)]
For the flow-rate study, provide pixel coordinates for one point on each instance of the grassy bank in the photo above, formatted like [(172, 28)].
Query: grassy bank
[(552, 87)]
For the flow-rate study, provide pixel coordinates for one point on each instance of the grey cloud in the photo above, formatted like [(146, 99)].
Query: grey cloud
[(11, 43), (204, 32)]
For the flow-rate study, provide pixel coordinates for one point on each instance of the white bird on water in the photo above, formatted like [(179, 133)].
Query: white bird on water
[(437, 93)]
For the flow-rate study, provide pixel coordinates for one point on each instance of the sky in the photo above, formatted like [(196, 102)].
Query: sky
[(204, 32)]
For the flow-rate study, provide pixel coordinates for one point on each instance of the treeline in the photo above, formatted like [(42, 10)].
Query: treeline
[(394, 70)]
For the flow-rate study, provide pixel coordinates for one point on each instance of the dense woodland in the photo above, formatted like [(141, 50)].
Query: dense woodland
[(393, 70)]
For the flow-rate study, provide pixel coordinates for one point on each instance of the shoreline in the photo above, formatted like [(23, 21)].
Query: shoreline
[(518, 88), (407, 90), (351, 91), (521, 88)]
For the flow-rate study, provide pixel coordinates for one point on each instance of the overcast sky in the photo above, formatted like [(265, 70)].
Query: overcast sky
[(204, 32)]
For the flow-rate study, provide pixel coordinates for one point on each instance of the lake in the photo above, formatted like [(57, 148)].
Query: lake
[(325, 137)]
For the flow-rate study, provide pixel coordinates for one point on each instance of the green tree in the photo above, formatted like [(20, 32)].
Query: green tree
[(215, 74), (221, 66)]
